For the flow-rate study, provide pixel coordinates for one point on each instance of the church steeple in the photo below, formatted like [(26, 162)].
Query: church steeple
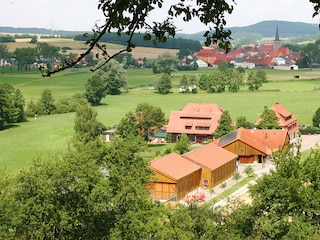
[(277, 38), (277, 41)]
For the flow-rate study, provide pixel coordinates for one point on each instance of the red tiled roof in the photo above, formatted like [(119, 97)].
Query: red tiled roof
[(173, 166), (195, 115), (210, 156), (243, 135), (266, 48), (273, 139), (282, 113)]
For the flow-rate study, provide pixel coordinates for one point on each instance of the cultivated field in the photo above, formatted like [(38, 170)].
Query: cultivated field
[(49, 135), (78, 47)]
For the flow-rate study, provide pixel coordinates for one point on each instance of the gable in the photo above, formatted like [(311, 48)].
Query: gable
[(210, 156), (173, 166)]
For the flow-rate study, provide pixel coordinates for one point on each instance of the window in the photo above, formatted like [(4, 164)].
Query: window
[(205, 182)]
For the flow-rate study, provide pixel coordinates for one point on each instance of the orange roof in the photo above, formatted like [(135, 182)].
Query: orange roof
[(263, 140), (241, 134), (273, 139), (210, 156), (195, 118), (173, 166), (285, 117)]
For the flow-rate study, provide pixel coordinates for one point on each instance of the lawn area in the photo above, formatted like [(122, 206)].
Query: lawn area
[(50, 134)]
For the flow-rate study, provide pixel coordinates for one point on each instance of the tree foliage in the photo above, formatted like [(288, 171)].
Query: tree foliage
[(268, 120), (165, 63), (183, 144), (316, 118), (144, 121), (224, 125), (113, 76), (131, 17), (243, 122), (164, 84), (12, 105), (254, 81), (87, 127), (95, 89)]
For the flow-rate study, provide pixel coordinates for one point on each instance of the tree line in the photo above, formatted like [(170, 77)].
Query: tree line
[(138, 39)]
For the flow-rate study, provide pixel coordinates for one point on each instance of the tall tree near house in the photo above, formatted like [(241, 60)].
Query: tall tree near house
[(224, 126), (87, 127), (183, 144), (243, 122), (144, 121), (268, 120)]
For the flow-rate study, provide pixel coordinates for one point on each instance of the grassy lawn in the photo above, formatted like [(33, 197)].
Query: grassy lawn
[(48, 135)]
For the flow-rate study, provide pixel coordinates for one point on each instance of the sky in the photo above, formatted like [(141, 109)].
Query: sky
[(81, 15)]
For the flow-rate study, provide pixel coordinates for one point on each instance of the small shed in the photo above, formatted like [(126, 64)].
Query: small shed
[(174, 177), (217, 164), (108, 135)]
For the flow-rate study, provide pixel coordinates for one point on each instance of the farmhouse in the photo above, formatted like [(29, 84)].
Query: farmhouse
[(197, 120), (254, 145), (217, 164), (286, 120), (174, 177)]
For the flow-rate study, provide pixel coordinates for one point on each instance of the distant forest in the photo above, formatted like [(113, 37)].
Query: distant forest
[(138, 40)]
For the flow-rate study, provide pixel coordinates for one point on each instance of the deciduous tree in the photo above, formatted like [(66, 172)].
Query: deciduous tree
[(95, 89), (164, 84), (183, 144), (268, 120), (224, 126), (316, 118), (144, 121), (165, 63), (113, 75)]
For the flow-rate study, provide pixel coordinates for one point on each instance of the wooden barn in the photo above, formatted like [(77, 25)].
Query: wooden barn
[(254, 145), (217, 164), (174, 177)]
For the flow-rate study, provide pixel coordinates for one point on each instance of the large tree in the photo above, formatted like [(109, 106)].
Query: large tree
[(95, 89), (164, 84), (113, 76), (11, 105), (224, 126), (144, 121), (25, 57), (268, 120), (165, 63)]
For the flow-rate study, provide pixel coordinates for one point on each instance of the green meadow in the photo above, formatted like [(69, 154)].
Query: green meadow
[(49, 135)]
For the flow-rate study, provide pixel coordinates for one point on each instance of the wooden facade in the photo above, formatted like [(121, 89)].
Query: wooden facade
[(174, 177), (165, 188), (211, 178), (246, 153)]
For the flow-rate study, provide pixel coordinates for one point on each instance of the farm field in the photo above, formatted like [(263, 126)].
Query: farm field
[(49, 135)]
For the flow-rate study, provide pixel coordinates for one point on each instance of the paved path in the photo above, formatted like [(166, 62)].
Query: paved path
[(307, 142)]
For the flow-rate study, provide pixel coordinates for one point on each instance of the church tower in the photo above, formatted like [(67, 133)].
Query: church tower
[(276, 41)]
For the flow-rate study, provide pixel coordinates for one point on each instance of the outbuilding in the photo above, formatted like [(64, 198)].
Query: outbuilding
[(174, 177)]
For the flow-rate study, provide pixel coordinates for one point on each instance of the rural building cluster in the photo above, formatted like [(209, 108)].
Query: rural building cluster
[(271, 55), (213, 163)]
